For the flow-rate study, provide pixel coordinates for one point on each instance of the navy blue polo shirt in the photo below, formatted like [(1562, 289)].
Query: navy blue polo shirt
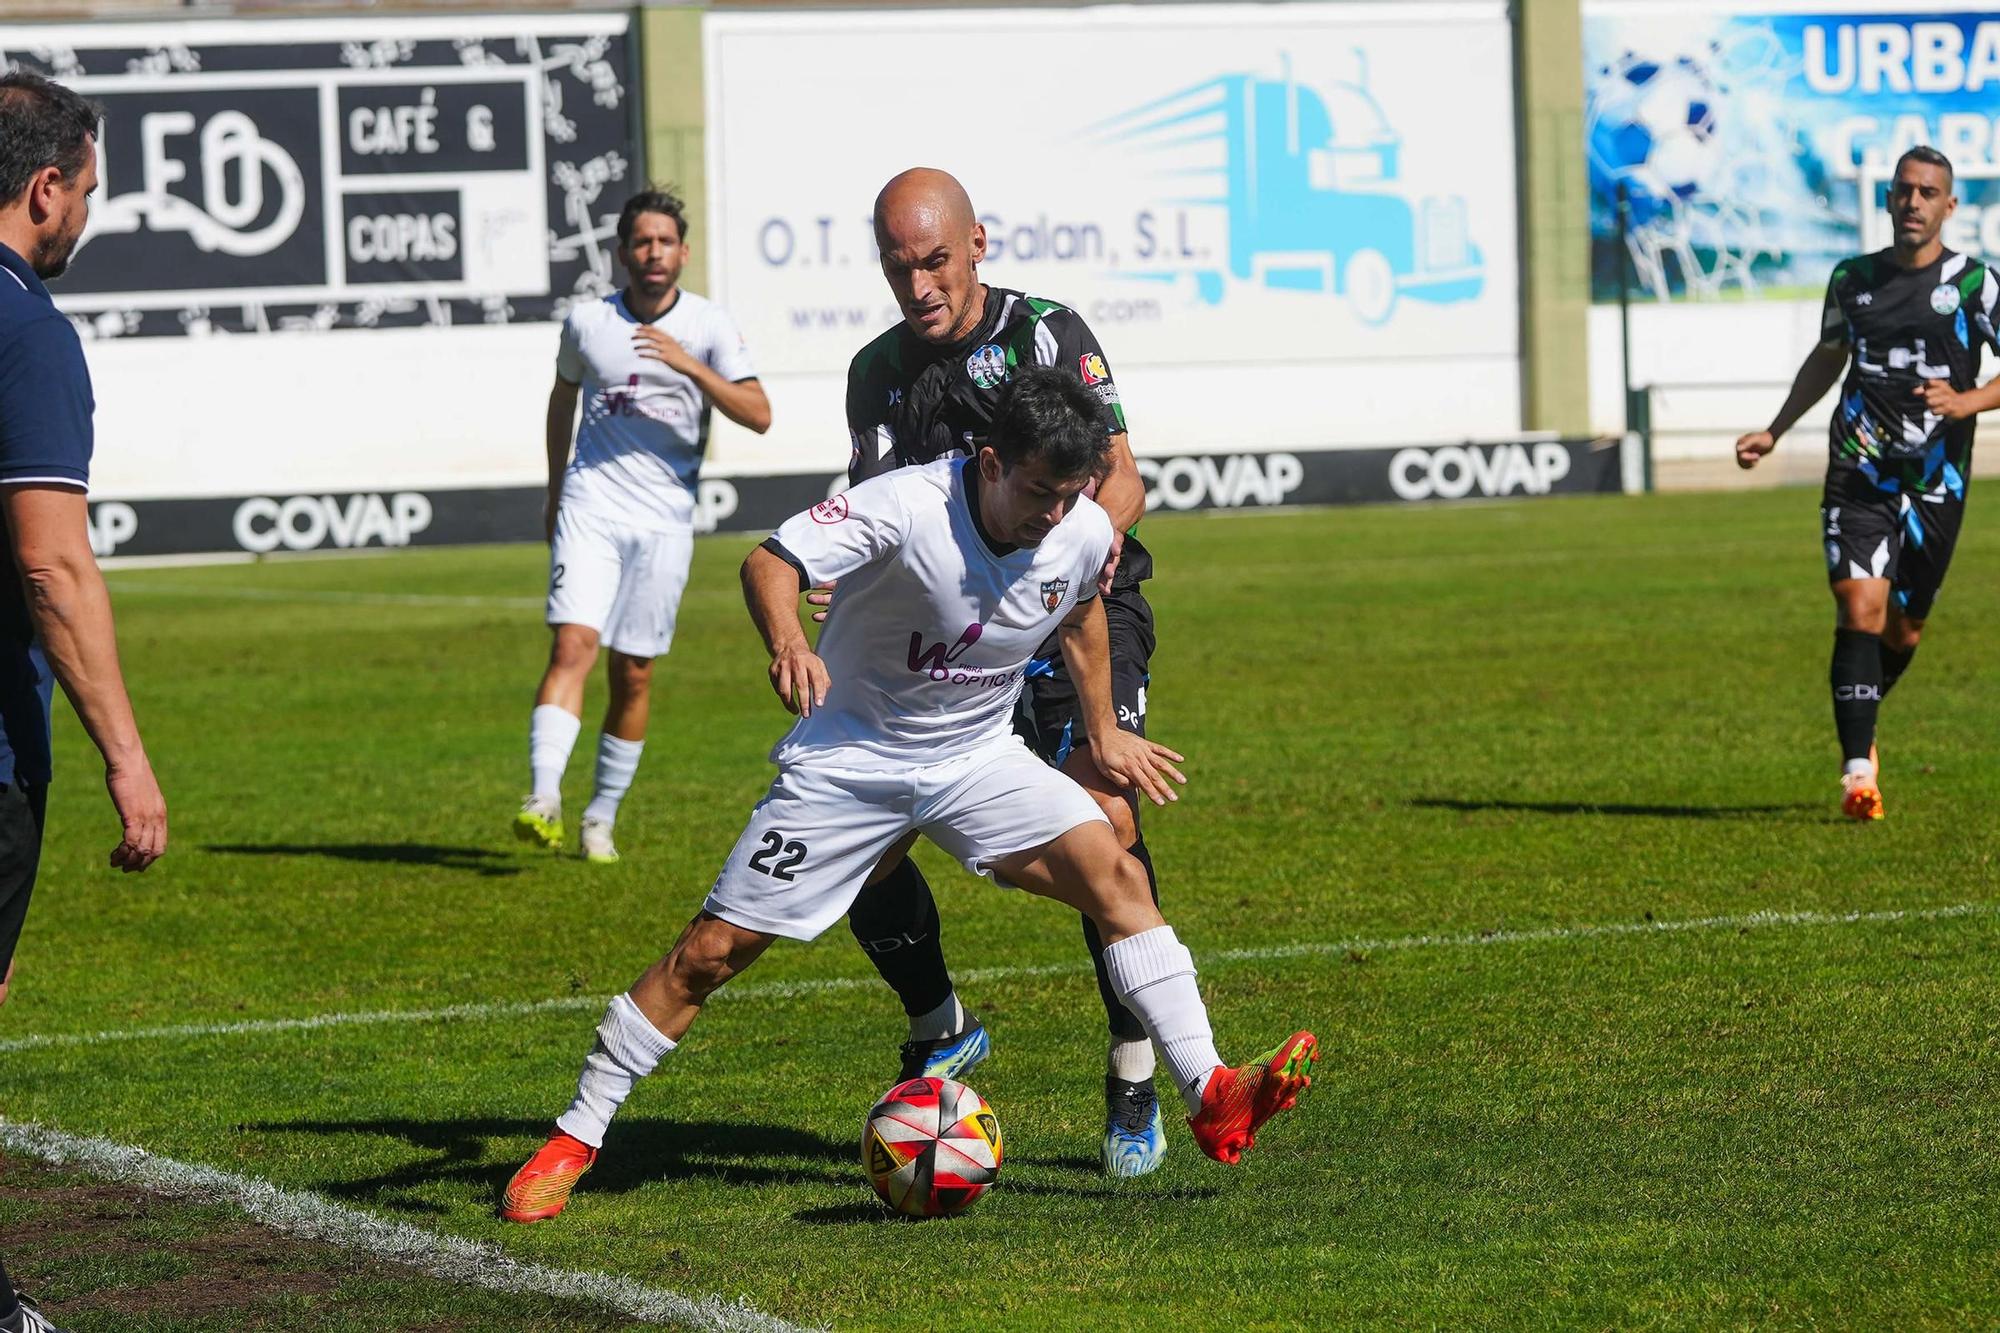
[(45, 407)]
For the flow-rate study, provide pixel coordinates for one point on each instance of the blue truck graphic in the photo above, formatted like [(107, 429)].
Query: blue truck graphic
[(1308, 196)]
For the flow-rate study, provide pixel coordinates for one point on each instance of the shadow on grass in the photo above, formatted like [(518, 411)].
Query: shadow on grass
[(1612, 808), (478, 860), (462, 1154)]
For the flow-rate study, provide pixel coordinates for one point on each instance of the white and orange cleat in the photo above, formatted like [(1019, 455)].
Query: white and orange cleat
[(1236, 1102), (540, 1189), (1861, 796)]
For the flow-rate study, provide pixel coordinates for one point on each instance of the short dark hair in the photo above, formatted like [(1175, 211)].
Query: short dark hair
[(651, 201), (42, 124), (1930, 157), (1047, 413)]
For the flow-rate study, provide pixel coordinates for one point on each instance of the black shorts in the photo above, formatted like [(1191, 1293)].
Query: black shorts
[(21, 810), (1048, 718), (1905, 534)]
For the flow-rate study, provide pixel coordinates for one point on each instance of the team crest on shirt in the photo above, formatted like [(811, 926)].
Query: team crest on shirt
[(987, 366), (1091, 366), (1053, 592), (1944, 298)]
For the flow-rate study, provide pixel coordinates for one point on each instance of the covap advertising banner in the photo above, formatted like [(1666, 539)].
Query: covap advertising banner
[(1755, 141), (1205, 184), (339, 173)]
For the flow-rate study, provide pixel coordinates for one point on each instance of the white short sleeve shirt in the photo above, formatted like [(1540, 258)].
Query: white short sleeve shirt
[(930, 632), (645, 426)]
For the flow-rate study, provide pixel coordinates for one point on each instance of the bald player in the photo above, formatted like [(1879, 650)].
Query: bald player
[(928, 389)]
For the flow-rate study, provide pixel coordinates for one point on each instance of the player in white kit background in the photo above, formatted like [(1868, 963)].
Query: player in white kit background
[(948, 578), (648, 364)]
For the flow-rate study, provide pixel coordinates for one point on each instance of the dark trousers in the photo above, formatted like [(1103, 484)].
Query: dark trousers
[(21, 811)]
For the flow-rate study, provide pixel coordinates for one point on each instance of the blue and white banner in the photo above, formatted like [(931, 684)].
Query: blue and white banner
[(1755, 141), (1206, 185)]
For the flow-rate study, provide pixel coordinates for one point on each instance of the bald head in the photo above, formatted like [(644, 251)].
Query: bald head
[(922, 198), (931, 243)]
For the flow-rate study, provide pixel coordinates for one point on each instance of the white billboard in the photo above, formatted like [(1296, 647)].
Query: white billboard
[(1296, 222)]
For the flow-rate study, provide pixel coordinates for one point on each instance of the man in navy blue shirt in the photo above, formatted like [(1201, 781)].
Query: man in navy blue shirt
[(55, 616)]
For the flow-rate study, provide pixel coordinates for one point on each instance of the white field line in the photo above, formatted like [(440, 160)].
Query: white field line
[(298, 1213), (789, 990), (236, 592)]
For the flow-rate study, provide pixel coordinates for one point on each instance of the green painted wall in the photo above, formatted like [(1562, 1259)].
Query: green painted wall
[(1555, 216), (671, 72)]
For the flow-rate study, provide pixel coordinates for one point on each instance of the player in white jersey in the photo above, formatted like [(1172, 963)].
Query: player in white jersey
[(647, 364), (950, 575)]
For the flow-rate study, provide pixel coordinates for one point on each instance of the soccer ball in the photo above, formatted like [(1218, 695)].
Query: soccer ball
[(931, 1147), (1652, 127)]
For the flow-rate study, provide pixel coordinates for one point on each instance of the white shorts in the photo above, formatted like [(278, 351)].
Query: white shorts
[(624, 582), (812, 841)]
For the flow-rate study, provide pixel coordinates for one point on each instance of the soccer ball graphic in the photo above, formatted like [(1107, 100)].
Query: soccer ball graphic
[(931, 1147), (1652, 127)]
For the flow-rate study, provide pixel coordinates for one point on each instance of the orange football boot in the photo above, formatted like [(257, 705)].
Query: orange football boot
[(1236, 1102), (1860, 796), (540, 1189)]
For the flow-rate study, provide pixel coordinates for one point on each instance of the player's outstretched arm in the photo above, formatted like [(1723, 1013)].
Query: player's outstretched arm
[(72, 614), (771, 591), (1129, 761), (1819, 372)]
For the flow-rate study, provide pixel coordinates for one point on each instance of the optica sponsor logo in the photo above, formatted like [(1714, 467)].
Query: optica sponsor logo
[(112, 524), (308, 522), (1229, 482), (1453, 471)]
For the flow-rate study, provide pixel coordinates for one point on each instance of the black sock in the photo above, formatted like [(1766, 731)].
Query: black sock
[(1894, 664), (1857, 689), (896, 923), (7, 1302), (1125, 1025)]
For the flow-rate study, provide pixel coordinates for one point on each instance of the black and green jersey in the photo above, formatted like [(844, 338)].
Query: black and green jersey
[(909, 401), (1901, 327)]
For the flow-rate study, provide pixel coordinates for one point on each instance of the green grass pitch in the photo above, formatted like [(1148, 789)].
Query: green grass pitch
[(1482, 726)]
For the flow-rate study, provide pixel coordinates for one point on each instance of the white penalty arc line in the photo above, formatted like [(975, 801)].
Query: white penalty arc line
[(789, 990), (308, 1216)]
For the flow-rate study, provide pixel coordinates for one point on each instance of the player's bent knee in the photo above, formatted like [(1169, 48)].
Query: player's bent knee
[(710, 954), (1124, 822)]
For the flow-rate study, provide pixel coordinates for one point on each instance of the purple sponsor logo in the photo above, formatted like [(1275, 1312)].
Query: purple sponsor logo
[(935, 659)]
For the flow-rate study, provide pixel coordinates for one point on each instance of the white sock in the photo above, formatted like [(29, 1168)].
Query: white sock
[(1130, 1060), (1153, 973), (1861, 766), (552, 734), (617, 761), (941, 1022), (628, 1047)]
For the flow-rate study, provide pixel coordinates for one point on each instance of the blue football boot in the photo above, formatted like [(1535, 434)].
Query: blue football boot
[(1135, 1142), (950, 1057)]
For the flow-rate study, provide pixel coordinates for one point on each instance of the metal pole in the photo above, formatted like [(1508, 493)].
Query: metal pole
[(1638, 407)]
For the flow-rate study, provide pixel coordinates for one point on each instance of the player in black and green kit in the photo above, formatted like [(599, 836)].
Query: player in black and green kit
[(1912, 319), (927, 389)]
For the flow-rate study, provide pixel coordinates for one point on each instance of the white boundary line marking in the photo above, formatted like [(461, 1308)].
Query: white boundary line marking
[(237, 592), (299, 1213), (790, 990)]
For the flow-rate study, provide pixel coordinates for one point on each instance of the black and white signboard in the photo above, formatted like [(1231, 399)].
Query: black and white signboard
[(333, 173), (267, 524)]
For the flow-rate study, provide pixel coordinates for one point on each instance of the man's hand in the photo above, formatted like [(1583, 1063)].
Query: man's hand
[(1110, 570), (1944, 401), (1751, 448), (135, 795), (654, 345), (1133, 761), (821, 596), (799, 679)]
